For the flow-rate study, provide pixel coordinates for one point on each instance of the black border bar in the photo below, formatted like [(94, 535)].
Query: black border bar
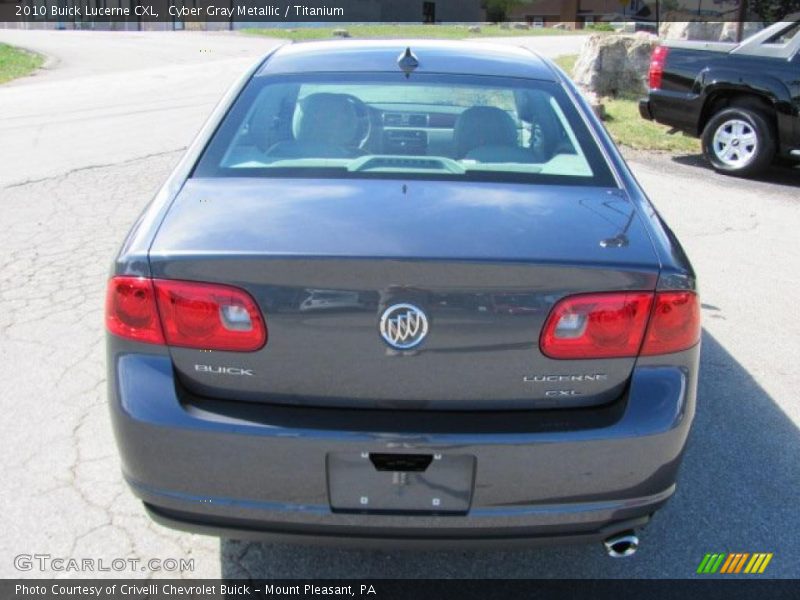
[(298, 12), (711, 588)]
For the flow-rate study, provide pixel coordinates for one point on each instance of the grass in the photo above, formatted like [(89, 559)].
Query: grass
[(454, 32), (567, 62), (15, 62), (628, 128)]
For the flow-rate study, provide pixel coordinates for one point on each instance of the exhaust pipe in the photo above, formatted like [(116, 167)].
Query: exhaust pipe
[(622, 544)]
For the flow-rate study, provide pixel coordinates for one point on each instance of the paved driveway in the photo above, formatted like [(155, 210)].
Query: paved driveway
[(83, 148), (108, 97)]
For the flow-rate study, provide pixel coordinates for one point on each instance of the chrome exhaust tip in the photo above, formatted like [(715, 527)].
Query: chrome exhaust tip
[(622, 545)]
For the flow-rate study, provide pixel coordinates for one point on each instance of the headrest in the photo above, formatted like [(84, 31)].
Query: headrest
[(483, 126), (325, 118)]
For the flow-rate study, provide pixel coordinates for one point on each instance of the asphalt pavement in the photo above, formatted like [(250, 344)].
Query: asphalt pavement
[(85, 143)]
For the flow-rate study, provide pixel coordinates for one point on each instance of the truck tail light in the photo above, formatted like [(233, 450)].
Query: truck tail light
[(184, 313), (657, 61), (621, 324)]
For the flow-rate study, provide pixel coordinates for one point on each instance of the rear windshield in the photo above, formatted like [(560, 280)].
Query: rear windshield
[(386, 125)]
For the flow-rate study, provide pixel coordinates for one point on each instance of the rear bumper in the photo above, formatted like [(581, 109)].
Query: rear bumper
[(239, 529), (211, 473), (644, 109), (674, 109)]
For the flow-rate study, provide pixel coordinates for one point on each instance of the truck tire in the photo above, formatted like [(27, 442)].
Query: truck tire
[(739, 141)]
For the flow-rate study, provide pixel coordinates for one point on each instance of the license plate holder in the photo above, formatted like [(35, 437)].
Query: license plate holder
[(357, 482)]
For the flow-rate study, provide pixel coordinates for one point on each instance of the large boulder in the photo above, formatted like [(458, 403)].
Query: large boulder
[(706, 31), (729, 30), (614, 65)]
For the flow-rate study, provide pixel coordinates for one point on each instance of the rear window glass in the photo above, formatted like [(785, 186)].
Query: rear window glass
[(785, 35), (387, 125)]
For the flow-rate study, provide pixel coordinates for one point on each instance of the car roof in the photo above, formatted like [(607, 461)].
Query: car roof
[(434, 56)]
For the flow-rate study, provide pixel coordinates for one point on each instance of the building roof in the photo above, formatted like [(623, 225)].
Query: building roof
[(435, 56)]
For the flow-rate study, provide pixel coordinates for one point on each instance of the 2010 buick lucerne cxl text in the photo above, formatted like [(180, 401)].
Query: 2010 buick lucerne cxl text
[(403, 292)]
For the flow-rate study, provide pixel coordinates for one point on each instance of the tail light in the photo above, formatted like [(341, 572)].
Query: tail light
[(131, 310), (184, 313), (597, 325), (657, 61), (621, 324), (674, 324)]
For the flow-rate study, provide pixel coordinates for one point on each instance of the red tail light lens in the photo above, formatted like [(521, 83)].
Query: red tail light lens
[(674, 324), (657, 61), (209, 316), (615, 325), (192, 315), (596, 325), (131, 310)]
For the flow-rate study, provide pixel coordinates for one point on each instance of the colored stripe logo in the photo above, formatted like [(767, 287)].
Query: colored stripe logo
[(734, 562)]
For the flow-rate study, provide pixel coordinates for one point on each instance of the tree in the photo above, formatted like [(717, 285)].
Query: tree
[(497, 10), (773, 10)]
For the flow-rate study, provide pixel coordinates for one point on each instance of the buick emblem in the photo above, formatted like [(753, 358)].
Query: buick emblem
[(403, 326)]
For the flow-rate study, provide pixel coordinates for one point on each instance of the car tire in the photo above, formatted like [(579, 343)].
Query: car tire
[(739, 141)]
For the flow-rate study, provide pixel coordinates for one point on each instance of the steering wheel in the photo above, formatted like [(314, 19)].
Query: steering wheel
[(364, 121)]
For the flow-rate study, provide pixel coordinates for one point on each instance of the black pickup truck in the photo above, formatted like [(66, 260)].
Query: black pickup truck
[(742, 99)]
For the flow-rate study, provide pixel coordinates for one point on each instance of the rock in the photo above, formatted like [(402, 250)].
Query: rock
[(505, 26), (711, 31), (342, 33), (521, 26), (707, 31), (597, 105), (560, 26), (729, 30), (612, 65), (474, 29)]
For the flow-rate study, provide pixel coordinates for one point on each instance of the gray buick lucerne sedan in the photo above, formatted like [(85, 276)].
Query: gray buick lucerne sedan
[(403, 292)]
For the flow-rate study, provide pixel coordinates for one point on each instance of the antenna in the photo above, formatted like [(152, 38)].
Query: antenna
[(407, 62)]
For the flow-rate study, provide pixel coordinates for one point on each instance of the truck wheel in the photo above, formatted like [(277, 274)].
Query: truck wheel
[(739, 141)]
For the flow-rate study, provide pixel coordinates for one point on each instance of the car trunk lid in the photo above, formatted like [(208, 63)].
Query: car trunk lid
[(324, 259)]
